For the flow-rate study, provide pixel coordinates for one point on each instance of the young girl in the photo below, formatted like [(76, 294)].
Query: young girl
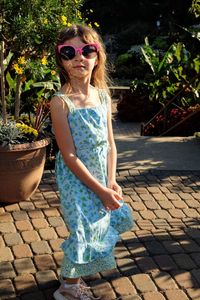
[(90, 197)]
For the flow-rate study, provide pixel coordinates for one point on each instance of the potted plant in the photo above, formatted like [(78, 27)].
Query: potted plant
[(28, 79)]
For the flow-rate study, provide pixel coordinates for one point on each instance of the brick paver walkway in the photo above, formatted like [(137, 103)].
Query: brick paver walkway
[(158, 260)]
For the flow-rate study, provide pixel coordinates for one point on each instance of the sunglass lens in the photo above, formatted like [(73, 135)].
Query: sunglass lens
[(67, 52), (89, 51)]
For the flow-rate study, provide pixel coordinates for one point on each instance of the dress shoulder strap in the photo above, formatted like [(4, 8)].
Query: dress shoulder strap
[(66, 99), (103, 96)]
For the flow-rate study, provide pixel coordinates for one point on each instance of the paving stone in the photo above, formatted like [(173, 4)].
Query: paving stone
[(194, 293), (127, 266), (48, 234), (161, 224), (20, 215), (153, 296), (26, 205), (189, 246), (123, 287), (12, 239), (110, 274), (185, 196), (183, 261), (40, 247), (146, 197), (177, 234), (25, 283), (160, 198), (51, 212), (138, 206), (196, 258), (6, 217), (151, 204), (58, 256), (121, 251), (44, 262), (46, 279), (162, 214), (143, 283), (55, 244), (155, 247), (40, 223), (146, 264), (153, 190), (6, 289), (22, 251), (176, 213), (36, 214), (145, 224), (165, 262), (176, 223), (6, 254), (24, 266), (7, 228), (164, 281), (30, 236), (23, 225), (173, 246), (196, 274), (6, 270), (184, 279), (137, 249), (12, 207), (165, 204), (161, 235), (62, 231), (191, 213), (103, 289), (144, 236), (148, 215), (179, 204), (41, 203), (176, 294)]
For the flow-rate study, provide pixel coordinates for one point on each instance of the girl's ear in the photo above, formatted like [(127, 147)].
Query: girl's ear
[(96, 62)]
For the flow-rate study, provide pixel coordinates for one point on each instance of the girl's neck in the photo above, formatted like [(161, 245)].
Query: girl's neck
[(80, 88)]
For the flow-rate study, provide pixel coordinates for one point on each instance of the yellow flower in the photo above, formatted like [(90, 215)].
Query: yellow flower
[(64, 20), (90, 25), (91, 10), (79, 15), (21, 60), (53, 72), (45, 21), (44, 60), (69, 24), (18, 69), (96, 24)]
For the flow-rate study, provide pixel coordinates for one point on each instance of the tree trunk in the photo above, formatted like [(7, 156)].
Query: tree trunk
[(3, 98), (17, 97)]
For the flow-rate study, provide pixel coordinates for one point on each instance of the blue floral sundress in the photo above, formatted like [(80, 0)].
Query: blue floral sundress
[(94, 230)]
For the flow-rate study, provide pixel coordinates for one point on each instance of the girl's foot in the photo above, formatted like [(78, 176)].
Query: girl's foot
[(76, 292)]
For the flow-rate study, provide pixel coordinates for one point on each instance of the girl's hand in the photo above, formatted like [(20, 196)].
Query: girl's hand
[(110, 198), (112, 184)]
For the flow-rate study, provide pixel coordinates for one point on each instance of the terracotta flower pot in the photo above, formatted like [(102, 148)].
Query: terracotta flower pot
[(21, 169)]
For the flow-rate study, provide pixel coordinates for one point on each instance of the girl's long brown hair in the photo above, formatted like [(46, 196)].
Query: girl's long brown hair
[(99, 76)]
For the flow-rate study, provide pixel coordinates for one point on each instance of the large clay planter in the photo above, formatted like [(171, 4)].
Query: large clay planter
[(21, 169)]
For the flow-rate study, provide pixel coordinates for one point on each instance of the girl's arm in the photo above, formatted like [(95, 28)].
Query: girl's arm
[(112, 154), (66, 146)]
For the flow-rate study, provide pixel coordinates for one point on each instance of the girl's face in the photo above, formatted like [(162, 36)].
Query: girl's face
[(79, 67)]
